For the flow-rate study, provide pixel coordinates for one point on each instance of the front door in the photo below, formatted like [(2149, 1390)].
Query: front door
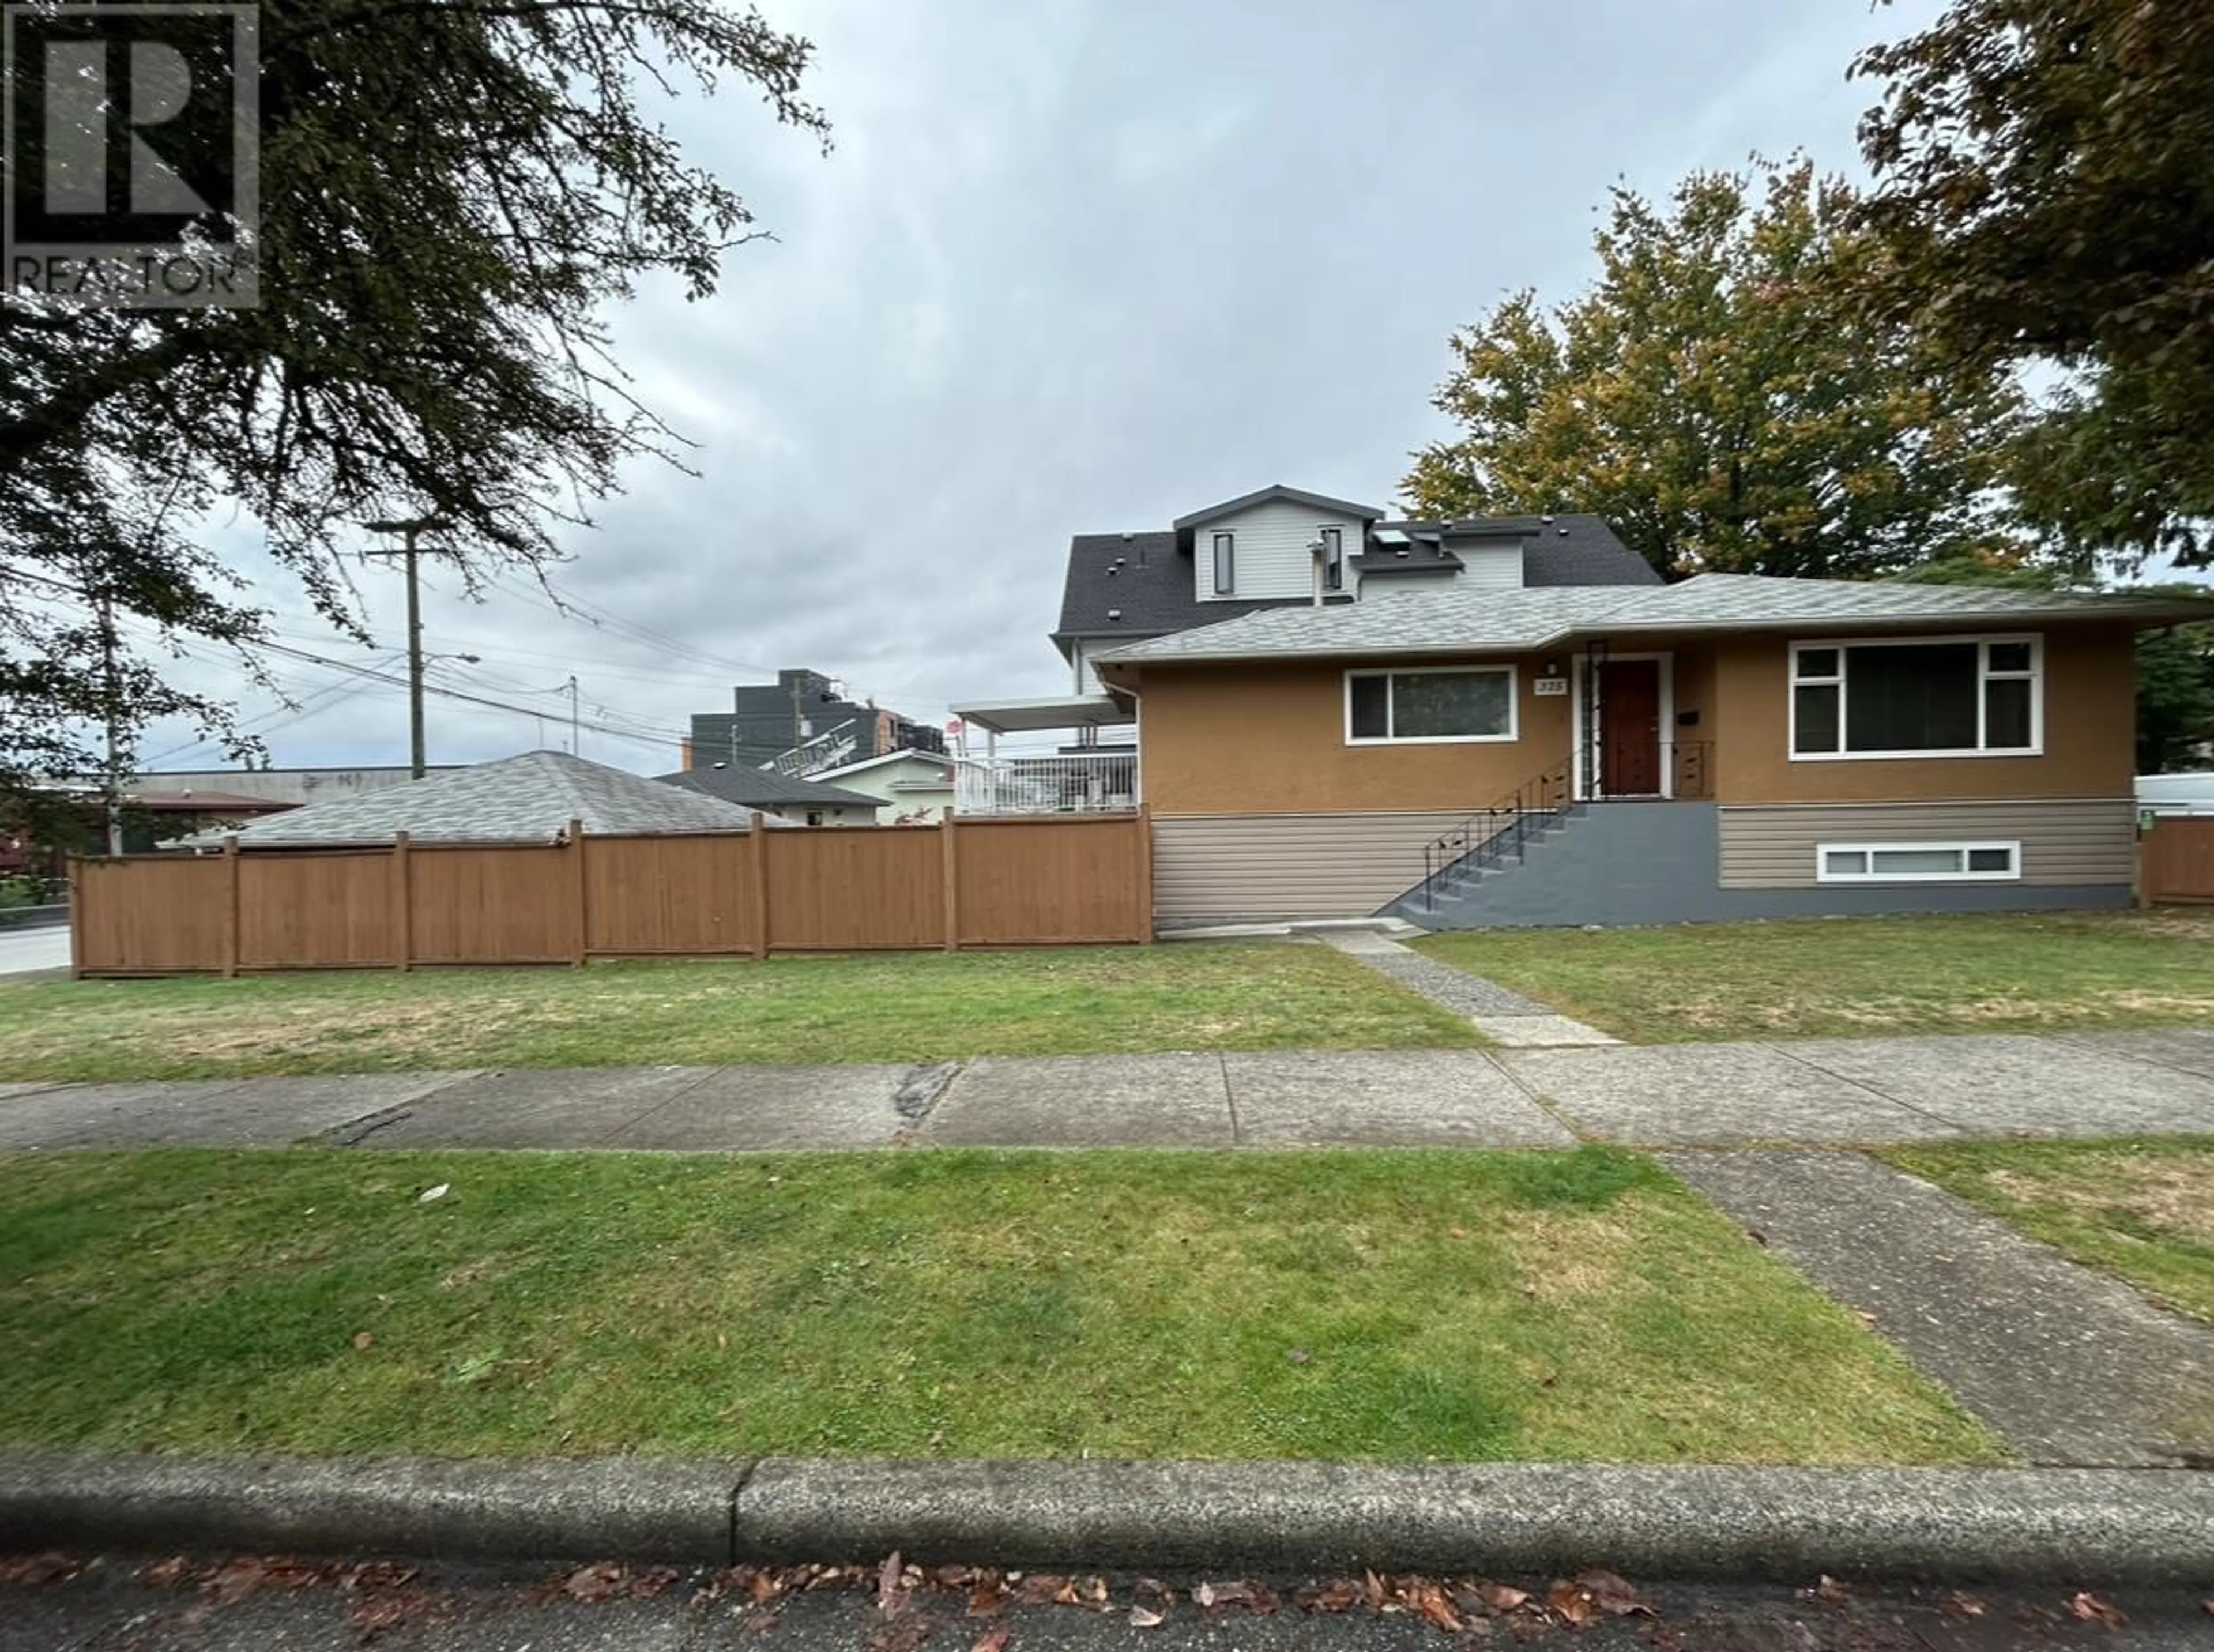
[(1629, 728)]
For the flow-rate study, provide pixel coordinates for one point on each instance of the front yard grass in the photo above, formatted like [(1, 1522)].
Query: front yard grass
[(885, 1007), (1383, 1306), (2142, 1208), (1856, 978)]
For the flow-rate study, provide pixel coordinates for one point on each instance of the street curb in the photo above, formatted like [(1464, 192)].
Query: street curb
[(2111, 1526)]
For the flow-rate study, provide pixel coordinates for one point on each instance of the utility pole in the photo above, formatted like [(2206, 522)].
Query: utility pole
[(575, 725), (111, 692), (407, 530)]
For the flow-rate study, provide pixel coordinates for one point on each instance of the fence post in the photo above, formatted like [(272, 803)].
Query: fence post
[(757, 834), (76, 916), (403, 905), (949, 859), (1145, 874), (230, 906), (574, 848)]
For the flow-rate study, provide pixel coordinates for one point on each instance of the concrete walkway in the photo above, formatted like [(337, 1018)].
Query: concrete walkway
[(1813, 1093), (2069, 1367), (1506, 1017)]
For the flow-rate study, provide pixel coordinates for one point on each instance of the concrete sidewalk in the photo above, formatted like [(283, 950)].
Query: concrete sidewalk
[(1821, 1093)]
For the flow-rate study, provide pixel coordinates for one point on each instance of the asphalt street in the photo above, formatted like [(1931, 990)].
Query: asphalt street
[(248, 1605)]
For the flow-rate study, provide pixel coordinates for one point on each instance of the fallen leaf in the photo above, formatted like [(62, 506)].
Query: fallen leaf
[(35, 1571), (2087, 1606), (600, 1580), (236, 1579), (166, 1574), (362, 1339), (992, 1638), (1461, 1232), (986, 1601), (377, 1574), (1613, 1596), (1040, 1589), (890, 1598), (431, 1193), (1141, 1618), (1966, 1605), (1500, 1598), (1574, 1605), (1372, 1591), (1430, 1600), (1827, 1589), (1299, 1357), (1339, 1596)]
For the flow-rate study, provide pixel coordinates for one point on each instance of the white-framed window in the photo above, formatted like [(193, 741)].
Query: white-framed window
[(1918, 697), (1430, 705), (1226, 563), (1333, 559), (1917, 863)]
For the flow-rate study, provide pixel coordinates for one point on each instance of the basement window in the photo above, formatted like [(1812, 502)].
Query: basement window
[(1917, 863), (1430, 707)]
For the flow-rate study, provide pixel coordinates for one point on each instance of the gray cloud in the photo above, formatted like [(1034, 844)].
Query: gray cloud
[(1080, 267)]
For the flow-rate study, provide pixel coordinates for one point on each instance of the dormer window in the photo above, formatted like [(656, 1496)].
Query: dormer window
[(1226, 563), (1333, 559)]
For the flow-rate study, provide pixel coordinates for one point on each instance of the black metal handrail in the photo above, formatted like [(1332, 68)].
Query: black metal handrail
[(1488, 837)]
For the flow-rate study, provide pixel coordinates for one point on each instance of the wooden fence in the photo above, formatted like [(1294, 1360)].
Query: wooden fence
[(1006, 882), (2175, 859)]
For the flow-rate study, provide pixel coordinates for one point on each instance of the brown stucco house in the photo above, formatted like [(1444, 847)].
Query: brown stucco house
[(1453, 741)]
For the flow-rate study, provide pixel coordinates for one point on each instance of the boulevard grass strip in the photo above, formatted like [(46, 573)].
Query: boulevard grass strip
[(2143, 1208), (882, 1007), (1577, 1305), (1855, 977)]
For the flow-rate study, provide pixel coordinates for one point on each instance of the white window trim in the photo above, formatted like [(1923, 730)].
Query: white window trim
[(1215, 547), (1513, 674), (2012, 875), (1586, 784), (2034, 676), (1333, 539)]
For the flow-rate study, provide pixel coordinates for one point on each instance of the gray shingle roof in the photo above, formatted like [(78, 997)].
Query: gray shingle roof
[(1149, 582), (1263, 495), (763, 788), (1512, 622), (530, 798)]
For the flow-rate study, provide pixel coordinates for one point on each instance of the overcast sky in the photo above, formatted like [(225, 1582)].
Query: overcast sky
[(1074, 266)]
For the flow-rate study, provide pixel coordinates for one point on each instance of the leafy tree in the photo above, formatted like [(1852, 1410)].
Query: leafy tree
[(1720, 397), (2044, 187), (452, 193)]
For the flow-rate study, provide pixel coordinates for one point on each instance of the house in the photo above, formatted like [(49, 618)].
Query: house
[(530, 799), (1514, 726), (801, 803), (802, 723), (908, 785)]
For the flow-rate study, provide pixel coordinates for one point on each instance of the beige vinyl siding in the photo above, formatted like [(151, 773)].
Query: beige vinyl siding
[(1319, 865), (2075, 840)]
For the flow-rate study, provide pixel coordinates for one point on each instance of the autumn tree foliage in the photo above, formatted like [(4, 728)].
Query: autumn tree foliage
[(1719, 395)]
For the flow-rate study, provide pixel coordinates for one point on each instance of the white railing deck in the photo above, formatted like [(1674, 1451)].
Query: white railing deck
[(1091, 783)]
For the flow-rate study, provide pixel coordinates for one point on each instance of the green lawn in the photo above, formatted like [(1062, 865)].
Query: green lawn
[(889, 1006), (1848, 977), (2143, 1209), (1390, 1306)]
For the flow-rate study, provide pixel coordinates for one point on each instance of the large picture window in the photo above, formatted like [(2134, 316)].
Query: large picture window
[(1456, 703), (1957, 697)]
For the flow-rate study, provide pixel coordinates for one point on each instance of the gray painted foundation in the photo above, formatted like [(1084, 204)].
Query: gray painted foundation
[(1651, 863)]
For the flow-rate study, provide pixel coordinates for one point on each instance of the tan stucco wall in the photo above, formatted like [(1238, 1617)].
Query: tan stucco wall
[(1270, 739), (2090, 712)]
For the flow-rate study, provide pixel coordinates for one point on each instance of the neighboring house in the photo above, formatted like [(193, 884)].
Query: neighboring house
[(282, 785), (1336, 715), (530, 798), (2177, 794), (909, 787), (805, 719), (802, 803)]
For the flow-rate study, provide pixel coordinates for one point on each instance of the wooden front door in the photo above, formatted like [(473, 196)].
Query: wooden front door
[(1629, 728)]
